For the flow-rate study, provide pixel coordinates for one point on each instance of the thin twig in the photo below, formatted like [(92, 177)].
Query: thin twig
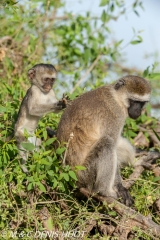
[(65, 154), (87, 72), (47, 7)]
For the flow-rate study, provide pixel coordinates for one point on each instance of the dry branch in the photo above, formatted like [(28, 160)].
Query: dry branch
[(5, 40), (44, 215), (156, 171), (89, 226), (145, 223), (144, 162), (106, 229), (133, 177), (156, 206), (151, 134), (125, 227)]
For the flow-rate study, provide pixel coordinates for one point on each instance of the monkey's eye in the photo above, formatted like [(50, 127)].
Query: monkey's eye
[(46, 79), (52, 80), (133, 102)]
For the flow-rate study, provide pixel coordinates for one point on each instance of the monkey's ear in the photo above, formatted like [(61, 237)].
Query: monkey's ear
[(31, 73), (120, 83)]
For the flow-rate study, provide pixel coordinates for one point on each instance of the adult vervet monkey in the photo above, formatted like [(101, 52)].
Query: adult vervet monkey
[(95, 120), (40, 99)]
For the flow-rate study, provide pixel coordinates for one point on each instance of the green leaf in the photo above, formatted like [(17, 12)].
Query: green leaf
[(46, 152), (61, 186), (10, 177), (77, 51), (104, 16), (73, 175), (30, 179), (2, 109), (55, 183), (155, 76), (50, 159), (156, 179), (41, 186), (80, 167), (118, 43), (42, 176), (112, 7), (49, 224), (45, 134), (139, 40), (60, 176), (28, 146), (10, 147), (134, 125), (131, 133), (1, 172), (87, 55), (59, 151), (112, 213), (135, 42), (146, 72), (30, 186), (50, 173), (43, 161), (104, 3), (49, 141), (136, 13), (66, 176)]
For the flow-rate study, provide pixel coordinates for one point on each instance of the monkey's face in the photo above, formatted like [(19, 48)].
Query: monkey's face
[(42, 76), (47, 83), (135, 108)]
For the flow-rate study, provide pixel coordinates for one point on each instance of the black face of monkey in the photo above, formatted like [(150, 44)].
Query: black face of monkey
[(135, 108), (48, 83)]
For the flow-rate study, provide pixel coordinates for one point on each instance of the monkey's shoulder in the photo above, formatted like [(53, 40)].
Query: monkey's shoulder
[(25, 99), (24, 105), (99, 98), (33, 90)]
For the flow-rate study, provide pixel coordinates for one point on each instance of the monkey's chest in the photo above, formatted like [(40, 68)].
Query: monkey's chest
[(30, 124), (47, 98)]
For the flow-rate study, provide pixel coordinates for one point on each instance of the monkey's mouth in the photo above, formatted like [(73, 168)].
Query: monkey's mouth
[(47, 89)]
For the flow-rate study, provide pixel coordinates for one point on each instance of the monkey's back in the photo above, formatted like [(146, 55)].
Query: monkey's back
[(88, 118)]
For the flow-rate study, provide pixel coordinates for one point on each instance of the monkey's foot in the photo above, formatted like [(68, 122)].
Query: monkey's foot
[(50, 132), (125, 196)]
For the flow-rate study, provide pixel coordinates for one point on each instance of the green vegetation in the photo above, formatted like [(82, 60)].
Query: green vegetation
[(35, 32)]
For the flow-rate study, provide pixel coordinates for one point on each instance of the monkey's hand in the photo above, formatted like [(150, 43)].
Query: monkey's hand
[(64, 101)]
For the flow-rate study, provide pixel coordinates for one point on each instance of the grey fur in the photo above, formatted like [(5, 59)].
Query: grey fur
[(96, 120), (37, 102)]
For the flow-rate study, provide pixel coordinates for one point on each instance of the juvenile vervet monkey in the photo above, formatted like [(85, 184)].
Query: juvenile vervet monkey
[(39, 100), (95, 120)]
